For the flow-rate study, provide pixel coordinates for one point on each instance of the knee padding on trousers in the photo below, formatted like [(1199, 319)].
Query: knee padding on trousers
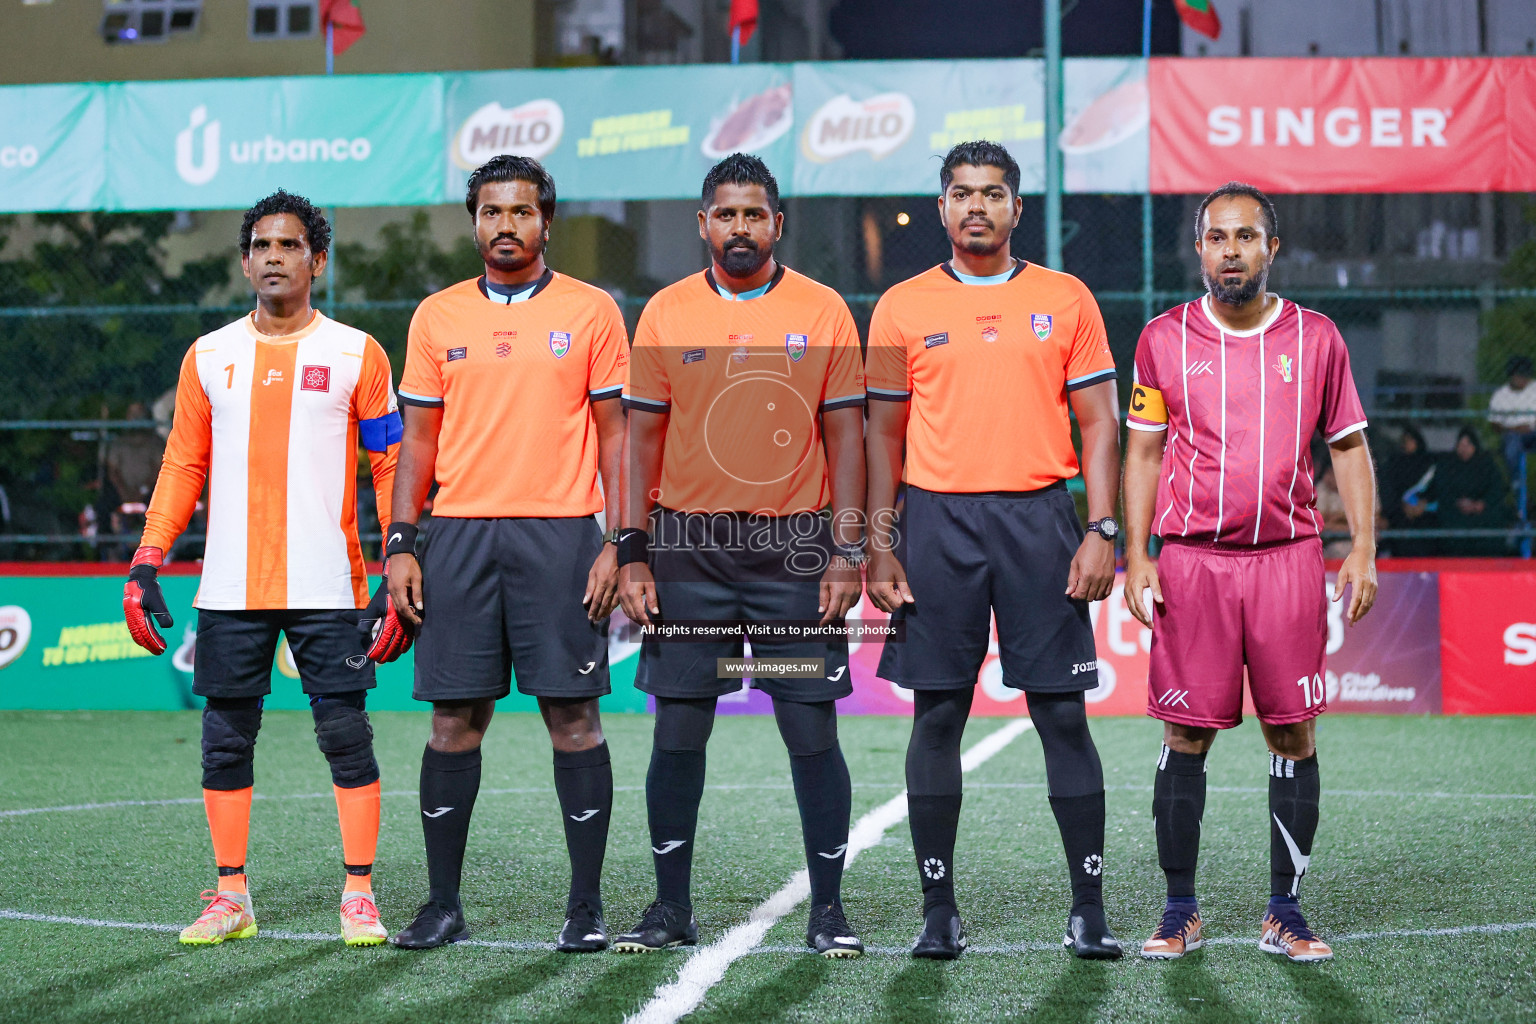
[(346, 738), (807, 729), (230, 725), (684, 725)]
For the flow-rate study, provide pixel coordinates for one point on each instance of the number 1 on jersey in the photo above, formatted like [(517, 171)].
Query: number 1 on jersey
[(230, 382)]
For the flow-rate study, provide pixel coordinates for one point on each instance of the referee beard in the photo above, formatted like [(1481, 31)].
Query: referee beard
[(983, 347)]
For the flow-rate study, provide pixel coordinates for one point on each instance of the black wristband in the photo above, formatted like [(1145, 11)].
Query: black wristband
[(634, 546), (401, 539)]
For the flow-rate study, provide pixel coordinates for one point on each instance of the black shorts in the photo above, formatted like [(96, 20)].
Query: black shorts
[(235, 650), (729, 568), (971, 556), (504, 596)]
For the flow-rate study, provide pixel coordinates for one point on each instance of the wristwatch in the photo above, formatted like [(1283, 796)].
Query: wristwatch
[(1106, 528), (612, 536), (854, 554)]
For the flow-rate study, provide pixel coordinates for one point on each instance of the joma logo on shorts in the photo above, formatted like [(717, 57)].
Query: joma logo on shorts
[(1085, 666)]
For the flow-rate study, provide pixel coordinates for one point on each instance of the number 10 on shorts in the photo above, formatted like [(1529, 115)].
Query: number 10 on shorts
[(1311, 689)]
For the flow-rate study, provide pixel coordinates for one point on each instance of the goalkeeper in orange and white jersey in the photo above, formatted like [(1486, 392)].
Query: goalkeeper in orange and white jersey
[(270, 411)]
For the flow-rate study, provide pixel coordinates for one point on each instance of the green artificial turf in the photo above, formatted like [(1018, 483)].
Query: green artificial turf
[(1427, 823)]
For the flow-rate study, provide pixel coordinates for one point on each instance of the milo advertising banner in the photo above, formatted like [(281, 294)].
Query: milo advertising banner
[(52, 140), (874, 128), (352, 140), (620, 133)]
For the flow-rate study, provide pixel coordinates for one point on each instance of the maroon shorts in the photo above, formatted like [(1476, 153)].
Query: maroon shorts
[(1225, 609)]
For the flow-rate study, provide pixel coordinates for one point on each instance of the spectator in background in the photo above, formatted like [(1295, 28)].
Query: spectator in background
[(1512, 409), (1405, 476), (132, 466), (1471, 493), (1330, 505)]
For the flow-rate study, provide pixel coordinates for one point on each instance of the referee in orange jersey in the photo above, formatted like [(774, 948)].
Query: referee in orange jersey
[(986, 347), (511, 384), (742, 493)]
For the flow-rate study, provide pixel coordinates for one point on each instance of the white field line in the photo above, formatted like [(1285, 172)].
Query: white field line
[(1006, 949), (704, 969), (549, 791)]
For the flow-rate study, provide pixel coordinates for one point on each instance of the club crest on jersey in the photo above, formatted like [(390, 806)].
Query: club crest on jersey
[(315, 378), (795, 344), (1040, 323), (559, 343), (1283, 368)]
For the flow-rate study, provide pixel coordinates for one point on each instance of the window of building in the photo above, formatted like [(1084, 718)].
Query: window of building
[(284, 19), (148, 21)]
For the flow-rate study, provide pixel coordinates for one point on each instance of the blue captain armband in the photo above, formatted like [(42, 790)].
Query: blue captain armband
[(380, 432)]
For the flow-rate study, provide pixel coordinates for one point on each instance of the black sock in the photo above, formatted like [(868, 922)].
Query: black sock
[(825, 795), (1081, 821), (1293, 792), (934, 820), (674, 785), (1178, 806), (673, 788), (584, 786), (449, 784)]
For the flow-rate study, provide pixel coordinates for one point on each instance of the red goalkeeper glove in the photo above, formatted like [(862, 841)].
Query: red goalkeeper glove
[(388, 636), (142, 600)]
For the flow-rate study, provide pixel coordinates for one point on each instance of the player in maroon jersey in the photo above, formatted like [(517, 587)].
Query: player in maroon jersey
[(1229, 390)]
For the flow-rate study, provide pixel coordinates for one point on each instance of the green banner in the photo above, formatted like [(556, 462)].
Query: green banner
[(847, 128), (53, 141), (620, 133), (873, 129), (63, 644), (344, 141)]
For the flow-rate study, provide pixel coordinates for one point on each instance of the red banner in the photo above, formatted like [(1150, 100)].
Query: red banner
[(1344, 125), (1488, 642)]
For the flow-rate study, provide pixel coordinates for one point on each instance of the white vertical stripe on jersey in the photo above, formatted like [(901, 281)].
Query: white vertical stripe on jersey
[(1290, 495), (319, 465), (222, 585), (1300, 375), (1194, 450), (1221, 472), (1258, 514)]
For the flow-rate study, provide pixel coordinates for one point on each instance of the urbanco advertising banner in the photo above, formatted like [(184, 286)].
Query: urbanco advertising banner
[(64, 644), (53, 141), (1489, 622), (620, 133), (353, 140), (1344, 125), (1387, 663)]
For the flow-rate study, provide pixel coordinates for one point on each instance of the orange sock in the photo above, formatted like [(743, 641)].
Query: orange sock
[(358, 811), (229, 822)]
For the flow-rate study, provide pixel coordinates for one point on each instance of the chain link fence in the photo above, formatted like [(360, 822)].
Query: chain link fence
[(1433, 293)]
